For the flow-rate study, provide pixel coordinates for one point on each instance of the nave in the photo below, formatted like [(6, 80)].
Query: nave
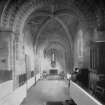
[(42, 42), (47, 91)]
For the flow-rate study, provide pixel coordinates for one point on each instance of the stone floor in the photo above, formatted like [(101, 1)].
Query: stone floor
[(47, 90)]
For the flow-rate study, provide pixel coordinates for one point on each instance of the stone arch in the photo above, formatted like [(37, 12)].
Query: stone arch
[(26, 9)]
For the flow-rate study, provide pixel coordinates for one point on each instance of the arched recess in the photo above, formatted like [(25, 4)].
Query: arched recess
[(44, 57), (15, 19), (62, 53), (66, 41)]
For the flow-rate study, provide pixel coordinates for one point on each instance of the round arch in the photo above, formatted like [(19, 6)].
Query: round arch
[(26, 9)]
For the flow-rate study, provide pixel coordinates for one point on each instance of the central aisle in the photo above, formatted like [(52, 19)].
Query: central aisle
[(47, 90)]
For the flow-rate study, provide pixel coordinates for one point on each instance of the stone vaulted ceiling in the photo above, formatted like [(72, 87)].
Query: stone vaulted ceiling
[(42, 22)]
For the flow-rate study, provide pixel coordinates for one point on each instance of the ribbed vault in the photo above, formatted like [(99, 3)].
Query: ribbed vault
[(28, 18)]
